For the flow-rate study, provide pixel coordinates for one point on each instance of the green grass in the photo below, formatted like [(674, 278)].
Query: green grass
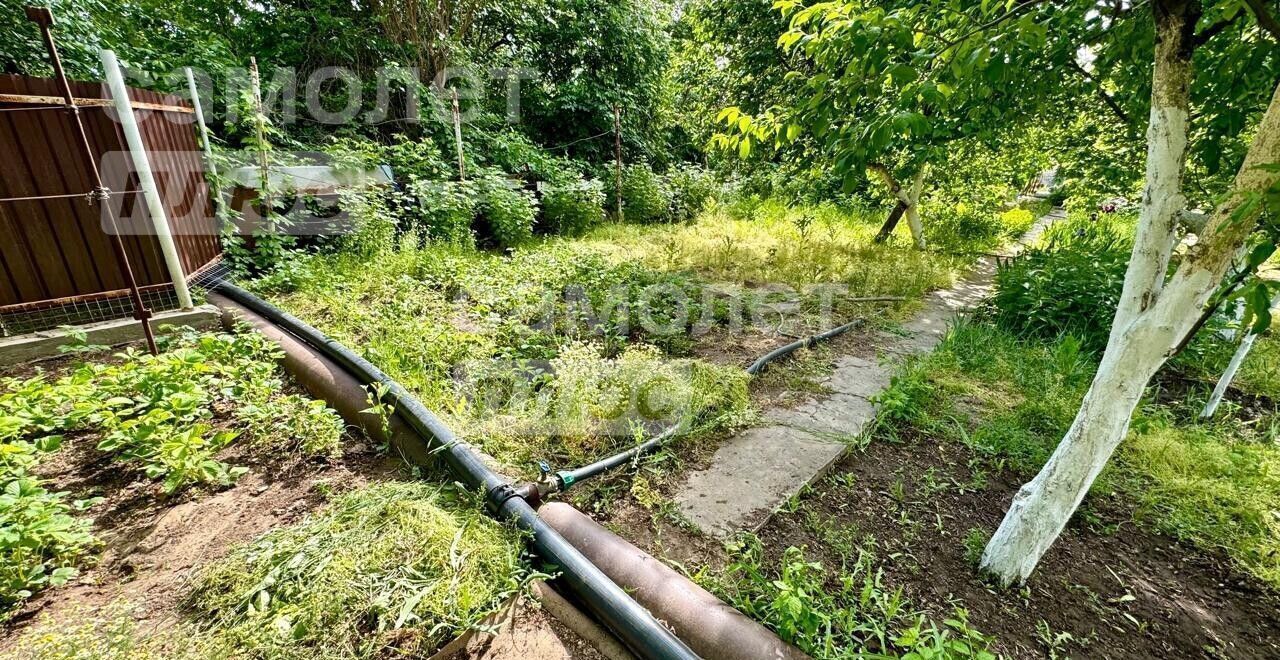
[(392, 569), (529, 373), (1215, 484), (842, 612), (155, 413), (395, 569), (496, 346)]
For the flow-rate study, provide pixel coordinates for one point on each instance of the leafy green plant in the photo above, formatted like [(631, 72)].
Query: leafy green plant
[(644, 198), (508, 213), (445, 211), (691, 188), (571, 208), (852, 612), (1070, 285), (40, 540)]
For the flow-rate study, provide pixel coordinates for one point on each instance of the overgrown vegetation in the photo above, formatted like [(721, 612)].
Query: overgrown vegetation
[(397, 567), (1009, 399), (167, 416), (840, 612)]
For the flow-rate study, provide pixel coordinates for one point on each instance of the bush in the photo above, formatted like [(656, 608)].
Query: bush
[(1071, 285), (691, 187), (508, 213), (644, 198), (445, 211), (573, 207)]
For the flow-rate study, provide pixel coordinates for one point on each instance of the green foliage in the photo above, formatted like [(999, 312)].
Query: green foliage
[(644, 198), (852, 613), (445, 211), (457, 326), (573, 207), (1010, 399), (1071, 284), (691, 188), (155, 411), (1207, 485), (508, 213), (40, 540), (395, 568)]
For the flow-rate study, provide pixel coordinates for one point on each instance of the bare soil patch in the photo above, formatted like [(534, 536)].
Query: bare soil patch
[(1118, 589)]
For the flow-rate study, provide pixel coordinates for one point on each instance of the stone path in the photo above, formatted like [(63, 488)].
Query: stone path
[(757, 471)]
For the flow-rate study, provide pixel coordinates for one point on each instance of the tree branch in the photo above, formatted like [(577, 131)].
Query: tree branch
[(1108, 99), (1264, 18)]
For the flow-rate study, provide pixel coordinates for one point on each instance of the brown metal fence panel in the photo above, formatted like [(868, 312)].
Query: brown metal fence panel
[(56, 249)]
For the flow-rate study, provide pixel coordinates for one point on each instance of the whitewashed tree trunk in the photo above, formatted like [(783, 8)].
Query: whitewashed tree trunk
[(1162, 199), (1248, 339), (910, 198), (1042, 507), (913, 208)]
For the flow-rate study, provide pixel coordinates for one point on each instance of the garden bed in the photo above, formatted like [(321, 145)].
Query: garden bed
[(127, 560)]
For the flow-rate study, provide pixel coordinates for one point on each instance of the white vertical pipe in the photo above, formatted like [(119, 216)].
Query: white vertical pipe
[(138, 154), (1237, 360), (204, 137)]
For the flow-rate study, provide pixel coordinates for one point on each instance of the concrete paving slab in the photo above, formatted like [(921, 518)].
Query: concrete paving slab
[(741, 489)]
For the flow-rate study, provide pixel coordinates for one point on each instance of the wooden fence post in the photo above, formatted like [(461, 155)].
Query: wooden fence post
[(457, 136), (617, 157)]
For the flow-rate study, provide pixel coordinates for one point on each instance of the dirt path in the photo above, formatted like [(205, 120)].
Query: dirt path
[(757, 471)]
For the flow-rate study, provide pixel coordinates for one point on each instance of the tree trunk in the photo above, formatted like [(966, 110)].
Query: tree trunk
[(908, 202), (1162, 198), (913, 209), (892, 222), (1042, 507)]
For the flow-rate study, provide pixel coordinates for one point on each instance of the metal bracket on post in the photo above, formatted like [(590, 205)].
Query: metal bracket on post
[(44, 18)]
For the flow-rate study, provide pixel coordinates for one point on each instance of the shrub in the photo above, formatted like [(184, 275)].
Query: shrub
[(445, 211), (40, 541), (508, 213), (691, 188), (573, 207), (1070, 285), (644, 199)]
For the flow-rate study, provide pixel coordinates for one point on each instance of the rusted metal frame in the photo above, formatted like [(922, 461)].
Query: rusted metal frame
[(55, 103), (44, 18)]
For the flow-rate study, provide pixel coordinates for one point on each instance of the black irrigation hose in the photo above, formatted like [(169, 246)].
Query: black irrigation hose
[(567, 478), (633, 624)]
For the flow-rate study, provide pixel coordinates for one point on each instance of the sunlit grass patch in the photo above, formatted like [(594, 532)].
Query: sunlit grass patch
[(799, 247), (1200, 484), (397, 568)]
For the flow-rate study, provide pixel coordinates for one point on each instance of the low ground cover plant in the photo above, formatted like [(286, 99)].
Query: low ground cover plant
[(166, 415), (850, 614)]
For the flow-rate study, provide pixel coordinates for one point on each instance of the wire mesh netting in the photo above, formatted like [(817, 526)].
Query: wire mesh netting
[(81, 311)]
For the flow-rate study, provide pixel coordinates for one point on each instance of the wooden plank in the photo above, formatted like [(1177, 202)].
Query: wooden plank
[(58, 101)]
